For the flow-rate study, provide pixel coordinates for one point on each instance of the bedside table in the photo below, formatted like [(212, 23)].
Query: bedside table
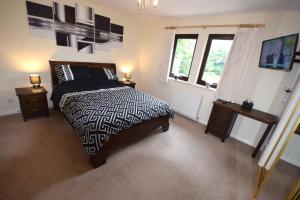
[(130, 84), (33, 102)]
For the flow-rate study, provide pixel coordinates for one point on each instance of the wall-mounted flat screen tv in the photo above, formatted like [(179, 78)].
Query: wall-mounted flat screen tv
[(279, 53)]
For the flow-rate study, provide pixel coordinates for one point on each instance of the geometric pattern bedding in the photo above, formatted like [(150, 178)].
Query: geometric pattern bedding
[(98, 114), (64, 73)]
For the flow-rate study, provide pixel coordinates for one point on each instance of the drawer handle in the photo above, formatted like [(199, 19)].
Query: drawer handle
[(34, 109)]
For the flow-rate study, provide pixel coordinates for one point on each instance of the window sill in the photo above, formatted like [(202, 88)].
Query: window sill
[(193, 84)]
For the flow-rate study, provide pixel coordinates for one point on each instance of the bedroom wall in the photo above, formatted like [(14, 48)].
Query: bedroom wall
[(22, 54), (263, 86)]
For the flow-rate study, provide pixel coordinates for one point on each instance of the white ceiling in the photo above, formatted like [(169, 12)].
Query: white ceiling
[(199, 7)]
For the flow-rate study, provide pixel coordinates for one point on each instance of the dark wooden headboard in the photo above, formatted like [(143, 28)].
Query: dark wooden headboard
[(54, 78)]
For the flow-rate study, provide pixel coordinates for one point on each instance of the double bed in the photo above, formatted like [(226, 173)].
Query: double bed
[(105, 113)]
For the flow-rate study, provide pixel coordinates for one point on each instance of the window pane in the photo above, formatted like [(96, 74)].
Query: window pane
[(183, 57), (216, 59)]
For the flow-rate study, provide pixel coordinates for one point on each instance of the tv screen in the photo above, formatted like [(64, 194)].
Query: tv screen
[(279, 53)]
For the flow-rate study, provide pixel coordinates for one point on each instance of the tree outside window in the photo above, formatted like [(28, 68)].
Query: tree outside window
[(215, 56), (183, 53)]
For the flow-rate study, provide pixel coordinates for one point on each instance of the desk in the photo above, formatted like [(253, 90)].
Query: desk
[(224, 114)]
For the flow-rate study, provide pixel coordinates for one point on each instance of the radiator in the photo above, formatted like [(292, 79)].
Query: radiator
[(186, 103)]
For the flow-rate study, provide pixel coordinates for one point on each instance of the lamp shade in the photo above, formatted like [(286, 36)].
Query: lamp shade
[(35, 80), (127, 76)]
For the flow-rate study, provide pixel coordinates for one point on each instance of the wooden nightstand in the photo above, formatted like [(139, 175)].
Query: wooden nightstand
[(130, 84), (33, 102)]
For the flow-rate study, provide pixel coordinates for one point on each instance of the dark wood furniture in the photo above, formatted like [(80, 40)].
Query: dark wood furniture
[(54, 78), (297, 60), (124, 136), (224, 114), (298, 130), (33, 102), (130, 83)]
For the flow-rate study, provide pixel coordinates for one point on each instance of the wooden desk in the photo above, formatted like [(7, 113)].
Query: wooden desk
[(224, 114)]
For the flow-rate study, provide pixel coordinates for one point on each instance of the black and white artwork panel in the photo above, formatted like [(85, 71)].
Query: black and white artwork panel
[(59, 13), (85, 32), (76, 26), (102, 29), (85, 27), (116, 35), (40, 20), (84, 47), (102, 32), (84, 14), (70, 14), (63, 13), (65, 29), (39, 10), (64, 18), (65, 39)]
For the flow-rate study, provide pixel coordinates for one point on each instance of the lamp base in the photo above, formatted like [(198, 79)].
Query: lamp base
[(36, 86)]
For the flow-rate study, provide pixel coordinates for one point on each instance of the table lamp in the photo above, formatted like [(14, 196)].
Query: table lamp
[(35, 80), (127, 76)]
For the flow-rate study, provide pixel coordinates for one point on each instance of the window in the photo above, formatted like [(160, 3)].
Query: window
[(183, 53), (214, 58)]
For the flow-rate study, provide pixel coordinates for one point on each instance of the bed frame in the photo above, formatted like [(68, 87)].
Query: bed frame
[(125, 136)]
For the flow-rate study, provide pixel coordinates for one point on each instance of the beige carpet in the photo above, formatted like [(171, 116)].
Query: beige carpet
[(43, 159)]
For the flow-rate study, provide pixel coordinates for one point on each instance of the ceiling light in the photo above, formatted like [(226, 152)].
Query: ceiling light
[(147, 5)]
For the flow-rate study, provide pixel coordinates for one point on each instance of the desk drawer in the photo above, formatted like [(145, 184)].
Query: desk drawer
[(220, 122), (220, 118)]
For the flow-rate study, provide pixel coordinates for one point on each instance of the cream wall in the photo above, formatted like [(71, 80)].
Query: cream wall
[(264, 87), (22, 54)]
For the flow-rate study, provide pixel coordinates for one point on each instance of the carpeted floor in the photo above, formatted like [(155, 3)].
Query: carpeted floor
[(43, 159)]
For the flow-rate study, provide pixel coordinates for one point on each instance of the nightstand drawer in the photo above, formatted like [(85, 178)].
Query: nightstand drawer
[(33, 100), (34, 107), (33, 112)]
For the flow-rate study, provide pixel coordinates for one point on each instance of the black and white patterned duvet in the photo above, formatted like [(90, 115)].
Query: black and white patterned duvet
[(97, 114)]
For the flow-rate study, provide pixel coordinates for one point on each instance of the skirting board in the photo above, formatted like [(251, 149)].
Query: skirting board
[(9, 112), (182, 114), (203, 122), (291, 161)]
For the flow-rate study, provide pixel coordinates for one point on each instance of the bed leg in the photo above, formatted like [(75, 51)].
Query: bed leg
[(165, 126), (100, 158)]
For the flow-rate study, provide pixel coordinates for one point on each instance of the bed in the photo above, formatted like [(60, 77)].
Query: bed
[(105, 113)]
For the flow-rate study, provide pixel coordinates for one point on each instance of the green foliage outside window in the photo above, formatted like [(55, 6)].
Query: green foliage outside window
[(216, 60), (183, 56)]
